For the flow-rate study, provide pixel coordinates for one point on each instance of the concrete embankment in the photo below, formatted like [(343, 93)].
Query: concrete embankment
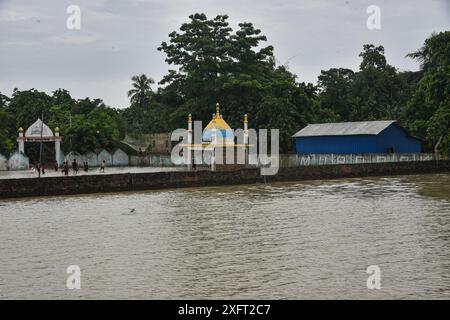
[(10, 188)]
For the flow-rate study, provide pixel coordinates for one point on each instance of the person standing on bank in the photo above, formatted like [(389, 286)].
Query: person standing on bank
[(102, 166), (86, 166), (66, 168), (75, 166)]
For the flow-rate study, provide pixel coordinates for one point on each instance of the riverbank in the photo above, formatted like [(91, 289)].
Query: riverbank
[(48, 186), (50, 172)]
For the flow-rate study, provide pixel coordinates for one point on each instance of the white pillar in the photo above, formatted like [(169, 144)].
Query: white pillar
[(21, 141), (189, 148), (57, 147), (58, 151), (213, 159), (246, 139), (214, 144)]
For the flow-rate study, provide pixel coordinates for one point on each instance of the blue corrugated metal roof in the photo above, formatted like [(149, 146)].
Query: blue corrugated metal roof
[(344, 128)]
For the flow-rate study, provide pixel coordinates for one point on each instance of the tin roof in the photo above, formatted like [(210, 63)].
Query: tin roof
[(344, 128)]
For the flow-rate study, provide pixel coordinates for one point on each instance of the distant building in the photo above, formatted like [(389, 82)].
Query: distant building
[(150, 143), (160, 143), (217, 144), (356, 138)]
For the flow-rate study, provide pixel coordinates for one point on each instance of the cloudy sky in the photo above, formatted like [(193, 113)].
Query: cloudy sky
[(118, 38)]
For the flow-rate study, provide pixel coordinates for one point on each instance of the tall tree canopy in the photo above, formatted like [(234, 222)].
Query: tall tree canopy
[(377, 91), (428, 111), (214, 63), (7, 127)]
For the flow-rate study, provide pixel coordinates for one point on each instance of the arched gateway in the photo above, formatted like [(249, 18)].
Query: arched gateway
[(40, 132)]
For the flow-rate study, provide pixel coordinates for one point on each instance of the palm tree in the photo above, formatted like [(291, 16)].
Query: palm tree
[(422, 55), (141, 87)]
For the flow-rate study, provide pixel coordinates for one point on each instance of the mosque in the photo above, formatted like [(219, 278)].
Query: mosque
[(218, 144)]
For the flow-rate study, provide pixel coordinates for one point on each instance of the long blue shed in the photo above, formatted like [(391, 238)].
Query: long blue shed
[(356, 138)]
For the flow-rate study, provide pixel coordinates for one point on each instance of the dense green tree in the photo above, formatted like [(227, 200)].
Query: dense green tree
[(428, 112), (377, 91), (216, 64), (86, 125), (93, 131), (86, 105), (3, 100), (62, 96), (28, 105), (377, 88), (7, 126), (336, 94)]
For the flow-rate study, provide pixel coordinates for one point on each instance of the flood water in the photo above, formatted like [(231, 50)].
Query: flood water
[(301, 240)]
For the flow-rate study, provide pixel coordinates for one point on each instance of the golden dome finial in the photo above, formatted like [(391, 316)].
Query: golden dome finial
[(57, 129), (245, 118), (21, 129), (190, 118), (217, 110)]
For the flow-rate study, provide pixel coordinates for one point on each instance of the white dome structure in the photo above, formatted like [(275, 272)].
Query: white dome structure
[(35, 130)]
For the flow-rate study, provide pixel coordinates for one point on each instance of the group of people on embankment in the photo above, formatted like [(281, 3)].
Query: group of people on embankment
[(66, 168)]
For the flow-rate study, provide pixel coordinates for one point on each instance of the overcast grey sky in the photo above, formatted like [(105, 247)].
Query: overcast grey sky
[(118, 38)]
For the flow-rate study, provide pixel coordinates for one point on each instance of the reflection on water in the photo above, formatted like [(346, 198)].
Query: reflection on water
[(285, 240)]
